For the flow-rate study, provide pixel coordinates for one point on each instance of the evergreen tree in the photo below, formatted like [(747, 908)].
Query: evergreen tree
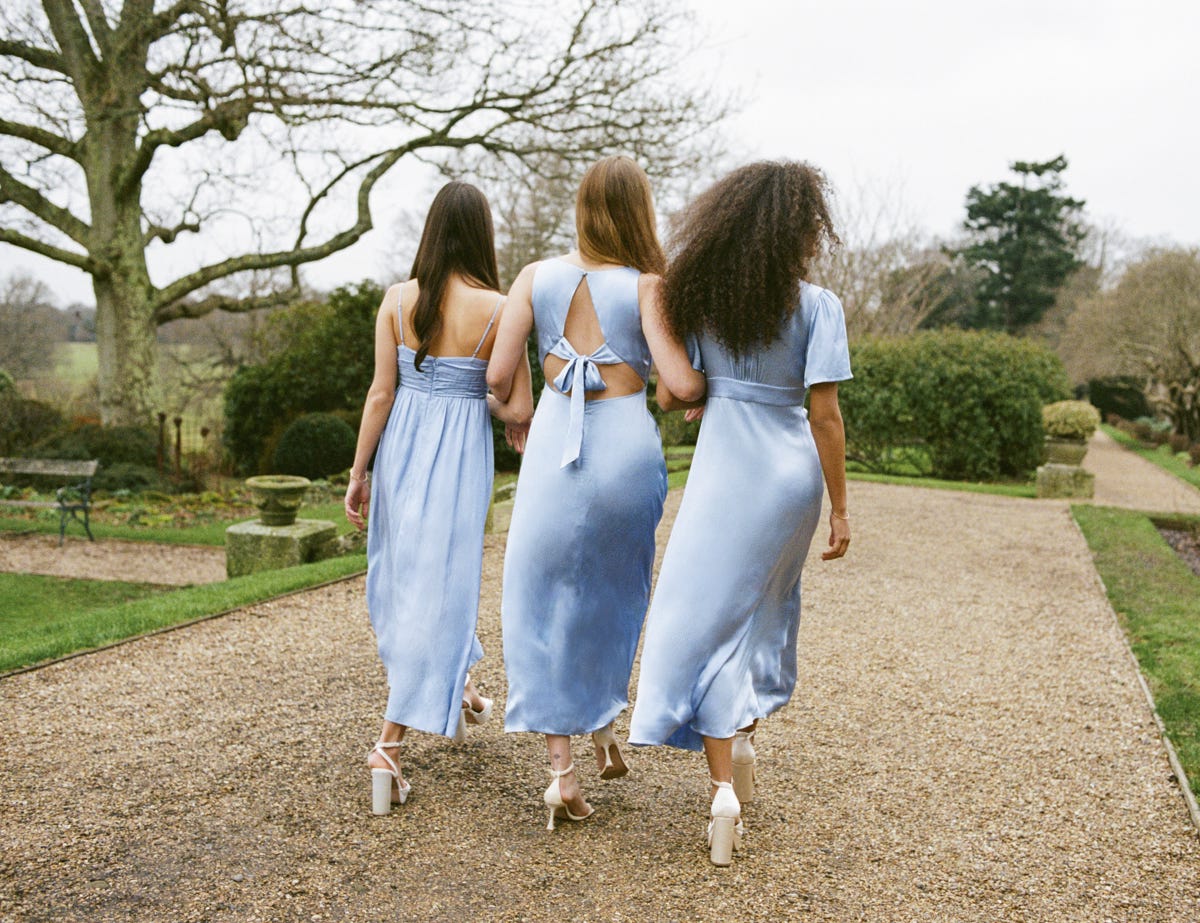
[(1024, 240)]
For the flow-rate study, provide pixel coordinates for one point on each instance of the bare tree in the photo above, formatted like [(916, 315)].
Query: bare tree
[(1148, 326), (887, 269), (127, 128), (29, 326)]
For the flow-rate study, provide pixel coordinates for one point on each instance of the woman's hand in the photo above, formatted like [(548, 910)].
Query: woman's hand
[(839, 537), (358, 501), (694, 413), (515, 435)]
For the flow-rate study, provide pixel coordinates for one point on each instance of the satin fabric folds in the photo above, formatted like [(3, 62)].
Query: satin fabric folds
[(720, 648), (430, 492), (581, 541)]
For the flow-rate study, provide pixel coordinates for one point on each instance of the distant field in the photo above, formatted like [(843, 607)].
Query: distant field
[(76, 363), (75, 368)]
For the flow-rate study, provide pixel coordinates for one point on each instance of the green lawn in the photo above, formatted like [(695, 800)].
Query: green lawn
[(1160, 455), (41, 619), (1004, 488), (1157, 598)]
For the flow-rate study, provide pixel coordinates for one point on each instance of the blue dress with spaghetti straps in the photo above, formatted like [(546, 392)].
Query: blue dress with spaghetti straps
[(430, 491), (721, 634), (581, 543)]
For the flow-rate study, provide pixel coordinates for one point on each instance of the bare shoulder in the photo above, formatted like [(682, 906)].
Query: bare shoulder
[(649, 283)]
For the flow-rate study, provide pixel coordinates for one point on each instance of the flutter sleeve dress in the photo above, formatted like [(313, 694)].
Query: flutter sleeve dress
[(431, 487), (580, 551), (720, 648)]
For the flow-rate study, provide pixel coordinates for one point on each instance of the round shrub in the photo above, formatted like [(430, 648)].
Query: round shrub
[(1070, 420), (127, 476), (965, 405), (315, 445)]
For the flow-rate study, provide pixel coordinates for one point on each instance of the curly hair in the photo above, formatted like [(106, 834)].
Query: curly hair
[(742, 248)]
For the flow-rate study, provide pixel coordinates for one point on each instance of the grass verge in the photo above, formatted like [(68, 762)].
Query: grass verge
[(1157, 599), (1017, 489), (1160, 455), (97, 622)]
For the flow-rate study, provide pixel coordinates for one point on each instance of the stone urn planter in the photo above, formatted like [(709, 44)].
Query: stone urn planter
[(278, 497), (1065, 451)]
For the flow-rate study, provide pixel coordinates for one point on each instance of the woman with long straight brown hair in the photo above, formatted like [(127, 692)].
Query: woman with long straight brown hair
[(432, 478), (720, 649), (592, 484)]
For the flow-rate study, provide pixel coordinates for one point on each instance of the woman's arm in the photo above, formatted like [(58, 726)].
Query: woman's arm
[(378, 405), (517, 411), (679, 385), (825, 418), (508, 352)]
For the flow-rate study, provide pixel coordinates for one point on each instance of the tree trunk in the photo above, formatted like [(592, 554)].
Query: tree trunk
[(126, 337)]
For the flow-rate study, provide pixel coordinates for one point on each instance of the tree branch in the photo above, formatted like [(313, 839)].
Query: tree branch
[(81, 260), (44, 58), (56, 144), (78, 57), (229, 303), (34, 202)]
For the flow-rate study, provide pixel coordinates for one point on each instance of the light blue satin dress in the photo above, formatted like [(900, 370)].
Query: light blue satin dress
[(430, 491), (720, 646), (581, 542)]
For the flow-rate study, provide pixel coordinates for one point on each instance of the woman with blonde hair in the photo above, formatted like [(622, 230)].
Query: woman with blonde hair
[(592, 483), (720, 649), (427, 414)]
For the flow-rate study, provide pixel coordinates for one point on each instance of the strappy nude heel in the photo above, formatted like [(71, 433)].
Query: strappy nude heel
[(382, 781), (725, 829), (614, 763), (744, 773), (468, 715), (554, 799)]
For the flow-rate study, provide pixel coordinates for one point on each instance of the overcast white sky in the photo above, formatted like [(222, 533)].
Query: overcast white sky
[(933, 96)]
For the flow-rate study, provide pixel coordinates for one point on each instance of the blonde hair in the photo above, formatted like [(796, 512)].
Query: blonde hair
[(614, 216)]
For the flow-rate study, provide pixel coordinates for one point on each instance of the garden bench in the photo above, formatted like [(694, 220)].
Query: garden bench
[(71, 500)]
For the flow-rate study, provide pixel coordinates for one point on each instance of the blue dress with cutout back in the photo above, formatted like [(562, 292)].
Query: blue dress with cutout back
[(581, 543)]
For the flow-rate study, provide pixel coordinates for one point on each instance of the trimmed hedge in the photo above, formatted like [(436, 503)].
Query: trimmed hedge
[(968, 402)]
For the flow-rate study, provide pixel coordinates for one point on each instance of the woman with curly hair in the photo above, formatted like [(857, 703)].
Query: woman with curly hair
[(720, 649), (581, 544)]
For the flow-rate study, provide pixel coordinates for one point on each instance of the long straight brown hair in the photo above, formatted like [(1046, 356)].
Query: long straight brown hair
[(458, 238), (614, 216)]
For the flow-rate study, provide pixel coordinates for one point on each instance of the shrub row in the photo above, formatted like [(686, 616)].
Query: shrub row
[(969, 401)]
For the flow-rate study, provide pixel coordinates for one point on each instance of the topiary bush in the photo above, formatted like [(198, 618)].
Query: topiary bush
[(315, 445), (970, 401), (1070, 420)]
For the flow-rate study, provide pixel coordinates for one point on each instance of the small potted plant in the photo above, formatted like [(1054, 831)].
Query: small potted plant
[(1068, 425)]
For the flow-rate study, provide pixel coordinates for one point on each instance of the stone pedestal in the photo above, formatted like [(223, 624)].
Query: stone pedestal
[(251, 547), (1068, 481)]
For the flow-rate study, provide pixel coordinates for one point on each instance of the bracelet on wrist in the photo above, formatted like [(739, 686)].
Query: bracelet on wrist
[(836, 516), (356, 477)]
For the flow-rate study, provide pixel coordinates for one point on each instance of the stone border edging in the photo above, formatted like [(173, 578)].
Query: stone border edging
[(1181, 779), (166, 628)]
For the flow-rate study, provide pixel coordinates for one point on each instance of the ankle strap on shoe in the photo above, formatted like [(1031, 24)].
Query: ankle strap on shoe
[(559, 773), (387, 743)]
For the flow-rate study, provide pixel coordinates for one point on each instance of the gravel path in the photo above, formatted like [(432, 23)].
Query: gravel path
[(111, 559), (1128, 480), (968, 742)]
